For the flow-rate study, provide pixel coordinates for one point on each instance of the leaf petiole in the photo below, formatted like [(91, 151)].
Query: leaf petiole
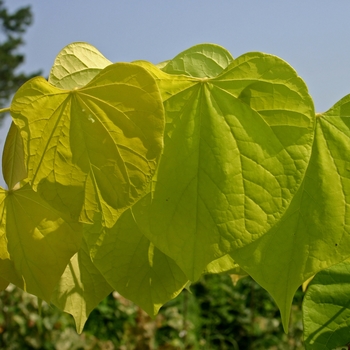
[(4, 110)]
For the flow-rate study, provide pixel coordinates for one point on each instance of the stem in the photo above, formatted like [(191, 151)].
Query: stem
[(184, 324), (252, 315), (4, 110)]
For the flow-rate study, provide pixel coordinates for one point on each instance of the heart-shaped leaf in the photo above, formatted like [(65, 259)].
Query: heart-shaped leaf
[(76, 65), (236, 150), (132, 265), (81, 288), (201, 61), (93, 149), (313, 234), (38, 240)]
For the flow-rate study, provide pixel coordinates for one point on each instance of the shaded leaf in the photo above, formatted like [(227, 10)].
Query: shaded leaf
[(3, 284), (326, 309), (133, 266), (13, 165), (7, 268), (92, 149), (38, 240), (81, 288), (314, 233)]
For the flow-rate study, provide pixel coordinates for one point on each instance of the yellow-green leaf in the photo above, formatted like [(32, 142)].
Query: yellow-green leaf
[(236, 149), (13, 166), (80, 288), (36, 241), (326, 309), (201, 61), (133, 266), (223, 264), (76, 65), (93, 149), (314, 233)]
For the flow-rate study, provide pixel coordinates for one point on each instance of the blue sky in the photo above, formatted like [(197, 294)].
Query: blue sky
[(311, 35)]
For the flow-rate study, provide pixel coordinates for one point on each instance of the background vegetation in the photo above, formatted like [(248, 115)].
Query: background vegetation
[(216, 314)]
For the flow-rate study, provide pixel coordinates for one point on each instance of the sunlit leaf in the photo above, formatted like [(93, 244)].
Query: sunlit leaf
[(314, 233), (92, 149), (13, 165), (306, 283), (161, 64), (76, 65), (201, 61), (326, 309), (81, 288), (236, 150), (133, 266), (223, 264), (39, 241), (235, 277)]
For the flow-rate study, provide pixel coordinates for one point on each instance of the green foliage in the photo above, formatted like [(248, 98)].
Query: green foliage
[(229, 169), (152, 272), (326, 309), (203, 163), (242, 316), (80, 288), (39, 241), (76, 65), (117, 123), (216, 315)]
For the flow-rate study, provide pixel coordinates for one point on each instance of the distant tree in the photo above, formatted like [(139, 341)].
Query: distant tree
[(12, 28)]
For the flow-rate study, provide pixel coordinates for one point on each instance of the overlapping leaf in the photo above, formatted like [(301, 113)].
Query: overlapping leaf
[(76, 65), (92, 149), (314, 232), (225, 264), (7, 268), (132, 265), (200, 61), (81, 288), (236, 149), (13, 165), (3, 284), (326, 309), (236, 184), (36, 242)]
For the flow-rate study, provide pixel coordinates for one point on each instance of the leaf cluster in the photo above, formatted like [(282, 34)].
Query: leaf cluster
[(141, 178)]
